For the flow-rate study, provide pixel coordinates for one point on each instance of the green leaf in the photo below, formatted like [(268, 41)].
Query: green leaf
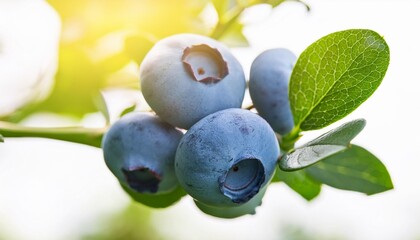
[(327, 144), (1, 138), (137, 46), (300, 182), (233, 36), (222, 6), (132, 222), (336, 74), (128, 110), (113, 63), (341, 135), (89, 60), (156, 200), (78, 82), (101, 105), (306, 156), (275, 3), (354, 169)]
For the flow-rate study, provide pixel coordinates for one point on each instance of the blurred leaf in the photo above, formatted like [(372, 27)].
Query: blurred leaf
[(101, 105), (300, 232), (113, 63), (323, 146), (100, 38), (1, 138), (229, 28), (132, 223), (234, 36), (300, 182), (137, 46), (222, 6), (128, 110), (156, 200), (354, 169), (77, 83), (124, 79), (275, 3), (336, 74), (88, 21)]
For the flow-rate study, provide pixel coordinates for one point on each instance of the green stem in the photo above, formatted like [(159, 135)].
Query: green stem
[(87, 136), (226, 21), (231, 16), (287, 142)]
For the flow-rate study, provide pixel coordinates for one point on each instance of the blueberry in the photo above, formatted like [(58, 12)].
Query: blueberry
[(227, 157), (186, 77), (139, 149), (235, 211), (268, 87)]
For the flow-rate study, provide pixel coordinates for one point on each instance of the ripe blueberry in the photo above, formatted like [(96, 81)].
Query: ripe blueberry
[(227, 157), (139, 149), (268, 87), (186, 77)]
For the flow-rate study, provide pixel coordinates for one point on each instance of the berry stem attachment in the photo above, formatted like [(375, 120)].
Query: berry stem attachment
[(287, 142), (87, 136), (250, 107)]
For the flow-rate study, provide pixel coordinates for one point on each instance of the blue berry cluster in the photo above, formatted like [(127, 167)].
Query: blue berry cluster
[(200, 140)]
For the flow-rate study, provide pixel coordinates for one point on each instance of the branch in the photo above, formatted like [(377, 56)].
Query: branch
[(87, 136)]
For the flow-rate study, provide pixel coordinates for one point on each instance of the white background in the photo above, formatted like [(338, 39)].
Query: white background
[(53, 190)]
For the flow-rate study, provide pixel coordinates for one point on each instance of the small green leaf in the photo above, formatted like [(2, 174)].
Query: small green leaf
[(156, 200), (354, 169), (1, 138), (327, 144), (336, 74), (128, 110), (300, 182)]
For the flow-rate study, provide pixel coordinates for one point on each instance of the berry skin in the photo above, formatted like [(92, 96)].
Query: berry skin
[(227, 157), (269, 85), (186, 77), (139, 149), (234, 212)]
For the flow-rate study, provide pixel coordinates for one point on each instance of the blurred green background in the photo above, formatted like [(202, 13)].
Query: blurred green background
[(102, 43)]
